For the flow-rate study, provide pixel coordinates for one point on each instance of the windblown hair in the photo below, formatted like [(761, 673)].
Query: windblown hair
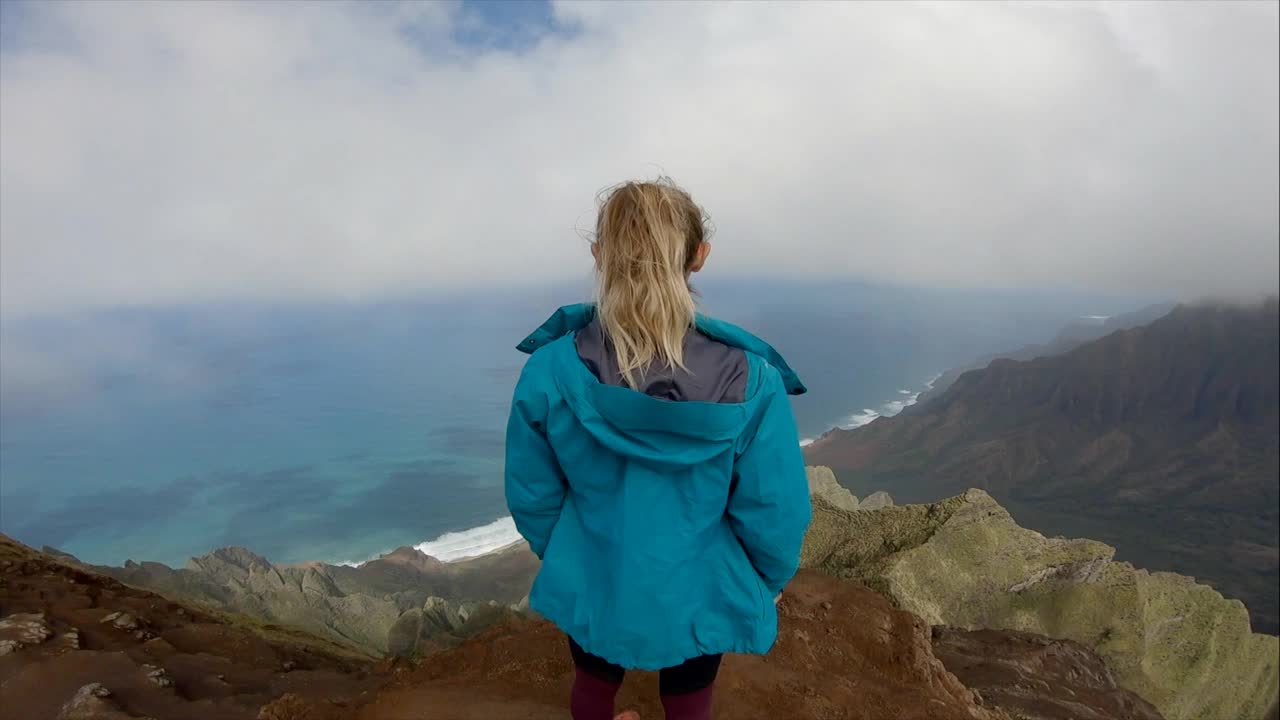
[(647, 237)]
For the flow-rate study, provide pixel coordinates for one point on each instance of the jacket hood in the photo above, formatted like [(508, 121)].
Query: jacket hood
[(571, 318), (649, 429)]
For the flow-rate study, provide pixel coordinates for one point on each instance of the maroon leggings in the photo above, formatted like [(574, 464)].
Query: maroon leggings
[(685, 688)]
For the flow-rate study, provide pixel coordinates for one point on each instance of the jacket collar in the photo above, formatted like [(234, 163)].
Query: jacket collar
[(571, 318)]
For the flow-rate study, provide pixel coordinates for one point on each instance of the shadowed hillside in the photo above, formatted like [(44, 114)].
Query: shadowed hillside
[(1163, 440)]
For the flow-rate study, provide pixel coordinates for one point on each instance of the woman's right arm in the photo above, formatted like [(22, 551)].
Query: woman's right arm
[(534, 483)]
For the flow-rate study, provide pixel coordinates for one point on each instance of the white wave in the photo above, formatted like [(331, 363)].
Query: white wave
[(1096, 318), (358, 563), (460, 545), (889, 409), (859, 419), (464, 544)]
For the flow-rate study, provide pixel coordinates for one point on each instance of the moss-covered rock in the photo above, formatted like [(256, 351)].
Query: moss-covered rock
[(964, 562), (823, 483)]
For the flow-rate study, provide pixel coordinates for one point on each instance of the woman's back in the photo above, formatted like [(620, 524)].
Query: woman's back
[(653, 465), (649, 558)]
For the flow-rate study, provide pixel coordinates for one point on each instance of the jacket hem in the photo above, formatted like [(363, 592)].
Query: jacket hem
[(650, 663)]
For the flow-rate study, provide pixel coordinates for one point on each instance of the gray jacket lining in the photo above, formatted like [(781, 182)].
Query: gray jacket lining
[(716, 372)]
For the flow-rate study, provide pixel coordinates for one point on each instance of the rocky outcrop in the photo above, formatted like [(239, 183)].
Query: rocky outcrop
[(964, 562), (372, 607), (822, 482), (441, 624), (93, 702), (440, 614), (877, 500), (196, 665), (23, 630)]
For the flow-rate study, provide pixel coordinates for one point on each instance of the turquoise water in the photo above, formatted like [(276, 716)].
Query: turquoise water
[(303, 437), (339, 432)]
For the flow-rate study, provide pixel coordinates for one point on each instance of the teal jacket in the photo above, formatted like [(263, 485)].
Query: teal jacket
[(665, 528)]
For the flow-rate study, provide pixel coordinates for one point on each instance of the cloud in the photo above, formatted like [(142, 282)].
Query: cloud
[(159, 153)]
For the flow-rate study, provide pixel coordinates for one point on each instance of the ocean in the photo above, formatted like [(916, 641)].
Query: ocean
[(338, 432)]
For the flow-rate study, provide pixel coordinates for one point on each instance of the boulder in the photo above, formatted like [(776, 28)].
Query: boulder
[(23, 630), (441, 615), (876, 500), (402, 638), (823, 483), (93, 702)]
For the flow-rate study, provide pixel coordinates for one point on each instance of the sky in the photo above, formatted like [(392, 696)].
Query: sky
[(154, 154)]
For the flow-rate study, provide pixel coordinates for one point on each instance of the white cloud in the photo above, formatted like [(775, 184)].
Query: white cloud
[(169, 152)]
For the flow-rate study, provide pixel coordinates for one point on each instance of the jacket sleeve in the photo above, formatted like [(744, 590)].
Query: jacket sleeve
[(535, 485), (769, 505)]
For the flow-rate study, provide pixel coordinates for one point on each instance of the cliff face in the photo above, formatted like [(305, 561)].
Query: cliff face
[(1173, 425), (403, 603), (964, 562), (1067, 339)]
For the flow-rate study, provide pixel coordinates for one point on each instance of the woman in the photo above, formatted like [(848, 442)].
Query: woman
[(653, 464)]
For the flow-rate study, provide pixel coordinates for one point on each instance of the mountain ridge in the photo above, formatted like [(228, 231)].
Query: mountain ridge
[(1067, 338), (1171, 424), (356, 606)]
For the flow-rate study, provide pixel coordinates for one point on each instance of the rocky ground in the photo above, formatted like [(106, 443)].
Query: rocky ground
[(842, 652), (75, 644), (1008, 670)]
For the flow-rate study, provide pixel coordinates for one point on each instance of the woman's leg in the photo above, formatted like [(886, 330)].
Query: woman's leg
[(595, 683), (686, 688)]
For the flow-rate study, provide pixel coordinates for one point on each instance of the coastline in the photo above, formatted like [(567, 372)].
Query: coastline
[(501, 536), (890, 408), (496, 551)]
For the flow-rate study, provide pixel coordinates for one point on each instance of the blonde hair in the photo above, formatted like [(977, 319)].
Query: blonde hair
[(647, 238)]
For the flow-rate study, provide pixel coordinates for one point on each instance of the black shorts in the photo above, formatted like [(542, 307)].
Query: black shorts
[(689, 676)]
